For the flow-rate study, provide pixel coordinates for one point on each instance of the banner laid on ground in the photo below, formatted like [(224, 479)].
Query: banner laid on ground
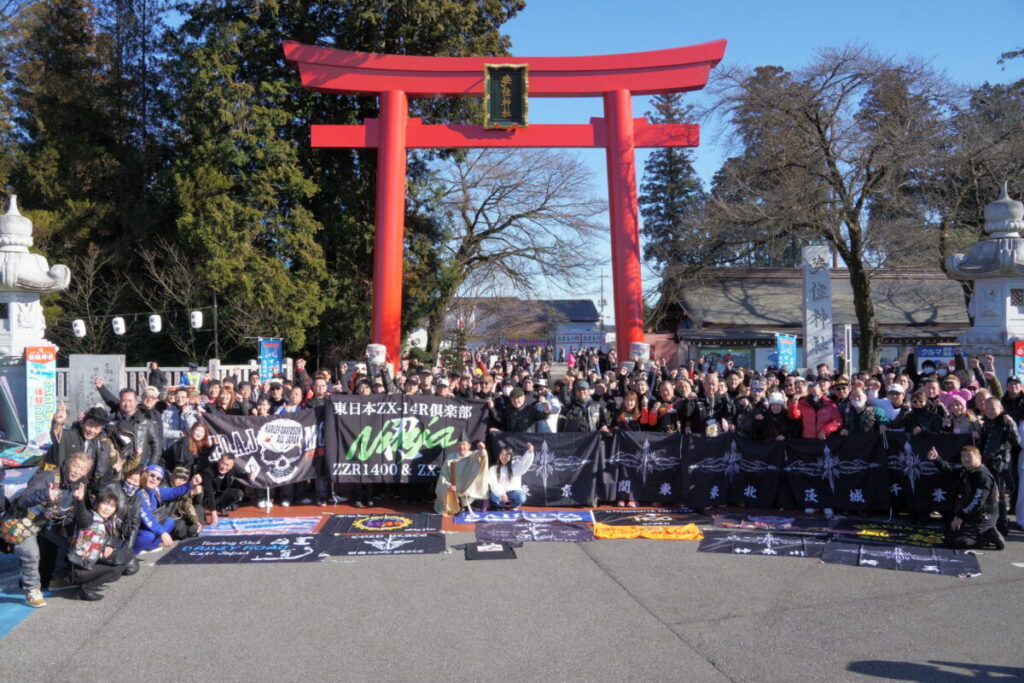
[(235, 526), (564, 469), (489, 551), (928, 560), (643, 466), (396, 438), (385, 544), (278, 449), (868, 531), (654, 517), (528, 515), (382, 523), (686, 532), (772, 522), (766, 543), (269, 548), (849, 473), (732, 469), (522, 532)]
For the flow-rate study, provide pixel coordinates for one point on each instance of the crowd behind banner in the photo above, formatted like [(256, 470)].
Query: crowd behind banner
[(139, 471)]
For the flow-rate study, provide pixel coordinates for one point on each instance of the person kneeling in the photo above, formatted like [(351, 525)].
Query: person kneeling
[(505, 480), (96, 531), (157, 523), (976, 504)]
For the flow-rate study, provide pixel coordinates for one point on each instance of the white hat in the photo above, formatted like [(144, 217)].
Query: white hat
[(897, 388), (777, 397)]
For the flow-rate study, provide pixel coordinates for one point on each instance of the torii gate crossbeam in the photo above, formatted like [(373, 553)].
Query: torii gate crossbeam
[(395, 78)]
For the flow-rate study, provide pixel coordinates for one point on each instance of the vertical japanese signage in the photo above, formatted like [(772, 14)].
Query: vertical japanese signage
[(817, 307), (41, 391), (1018, 359), (506, 89), (271, 355), (785, 349)]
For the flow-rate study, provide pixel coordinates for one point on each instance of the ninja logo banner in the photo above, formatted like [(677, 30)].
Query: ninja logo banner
[(275, 450), (396, 438)]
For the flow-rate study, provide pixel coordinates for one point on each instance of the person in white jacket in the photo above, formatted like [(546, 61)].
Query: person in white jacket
[(505, 480)]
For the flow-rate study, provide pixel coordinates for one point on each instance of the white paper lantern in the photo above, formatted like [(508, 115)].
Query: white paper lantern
[(155, 323), (78, 327), (118, 325), (197, 319)]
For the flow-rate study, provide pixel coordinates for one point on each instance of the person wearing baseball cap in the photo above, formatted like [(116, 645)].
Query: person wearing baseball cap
[(154, 532)]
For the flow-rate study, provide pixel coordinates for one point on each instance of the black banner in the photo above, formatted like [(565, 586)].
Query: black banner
[(564, 469), (655, 517), (732, 469), (270, 548), (766, 543), (846, 473), (278, 449), (385, 544), (927, 560), (917, 481), (521, 532), (644, 466), (396, 438), (382, 523)]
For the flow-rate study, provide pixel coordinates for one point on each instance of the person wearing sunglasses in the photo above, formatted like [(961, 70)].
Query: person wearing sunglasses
[(155, 517)]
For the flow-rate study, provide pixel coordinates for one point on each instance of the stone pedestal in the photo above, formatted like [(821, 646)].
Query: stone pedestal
[(996, 266)]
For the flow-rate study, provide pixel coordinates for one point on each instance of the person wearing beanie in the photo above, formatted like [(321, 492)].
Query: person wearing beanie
[(773, 421), (155, 522), (960, 420)]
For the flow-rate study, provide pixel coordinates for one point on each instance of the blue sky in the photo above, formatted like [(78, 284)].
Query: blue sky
[(964, 40)]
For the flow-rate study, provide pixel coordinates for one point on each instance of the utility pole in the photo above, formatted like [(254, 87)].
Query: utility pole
[(602, 302), (216, 338)]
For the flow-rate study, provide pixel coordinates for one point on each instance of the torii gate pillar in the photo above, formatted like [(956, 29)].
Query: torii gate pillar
[(395, 78)]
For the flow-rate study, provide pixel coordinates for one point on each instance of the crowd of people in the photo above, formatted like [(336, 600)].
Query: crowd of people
[(139, 471)]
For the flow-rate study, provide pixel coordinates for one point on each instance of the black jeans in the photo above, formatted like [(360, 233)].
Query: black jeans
[(97, 576)]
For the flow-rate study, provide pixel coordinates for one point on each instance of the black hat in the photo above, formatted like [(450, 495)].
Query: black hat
[(517, 393)]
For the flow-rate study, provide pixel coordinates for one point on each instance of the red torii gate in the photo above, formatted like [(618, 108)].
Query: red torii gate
[(395, 78)]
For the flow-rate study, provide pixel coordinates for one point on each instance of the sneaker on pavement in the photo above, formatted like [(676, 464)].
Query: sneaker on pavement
[(35, 598), (286, 503)]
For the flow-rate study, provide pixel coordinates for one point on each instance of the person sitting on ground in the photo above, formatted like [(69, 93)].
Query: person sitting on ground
[(156, 524), (187, 518), (505, 479), (462, 478), (97, 529), (976, 504), (223, 489)]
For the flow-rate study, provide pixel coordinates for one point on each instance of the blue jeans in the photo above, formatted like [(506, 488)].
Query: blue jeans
[(28, 553), (515, 499)]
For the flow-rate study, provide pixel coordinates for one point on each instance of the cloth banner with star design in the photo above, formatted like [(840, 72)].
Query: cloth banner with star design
[(564, 469), (643, 466), (841, 472), (731, 469), (915, 482)]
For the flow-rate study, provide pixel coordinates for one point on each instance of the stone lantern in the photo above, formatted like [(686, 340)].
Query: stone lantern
[(31, 377), (996, 266)]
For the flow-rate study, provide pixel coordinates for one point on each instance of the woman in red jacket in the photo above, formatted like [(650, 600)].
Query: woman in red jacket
[(818, 414)]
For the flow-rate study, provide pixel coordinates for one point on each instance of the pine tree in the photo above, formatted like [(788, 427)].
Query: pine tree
[(671, 197)]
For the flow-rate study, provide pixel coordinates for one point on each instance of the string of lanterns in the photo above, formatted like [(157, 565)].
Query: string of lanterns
[(117, 323)]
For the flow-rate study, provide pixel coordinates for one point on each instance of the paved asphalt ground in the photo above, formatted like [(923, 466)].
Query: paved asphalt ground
[(624, 610)]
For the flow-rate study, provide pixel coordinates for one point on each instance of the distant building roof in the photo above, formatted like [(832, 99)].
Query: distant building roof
[(575, 310), (773, 297)]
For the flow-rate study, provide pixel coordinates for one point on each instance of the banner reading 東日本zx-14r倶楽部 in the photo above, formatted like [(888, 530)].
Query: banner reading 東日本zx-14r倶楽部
[(396, 438)]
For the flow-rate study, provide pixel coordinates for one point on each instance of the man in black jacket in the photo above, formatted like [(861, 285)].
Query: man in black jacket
[(520, 414), (1000, 446), (147, 427), (222, 486), (584, 414), (972, 525)]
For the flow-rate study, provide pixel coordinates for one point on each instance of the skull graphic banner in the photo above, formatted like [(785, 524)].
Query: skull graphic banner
[(276, 449)]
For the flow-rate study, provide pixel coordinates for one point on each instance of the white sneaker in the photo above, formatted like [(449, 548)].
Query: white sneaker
[(35, 598), (286, 503), (263, 503), (810, 511)]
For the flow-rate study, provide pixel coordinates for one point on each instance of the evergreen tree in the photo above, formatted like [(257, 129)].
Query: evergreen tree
[(671, 197)]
